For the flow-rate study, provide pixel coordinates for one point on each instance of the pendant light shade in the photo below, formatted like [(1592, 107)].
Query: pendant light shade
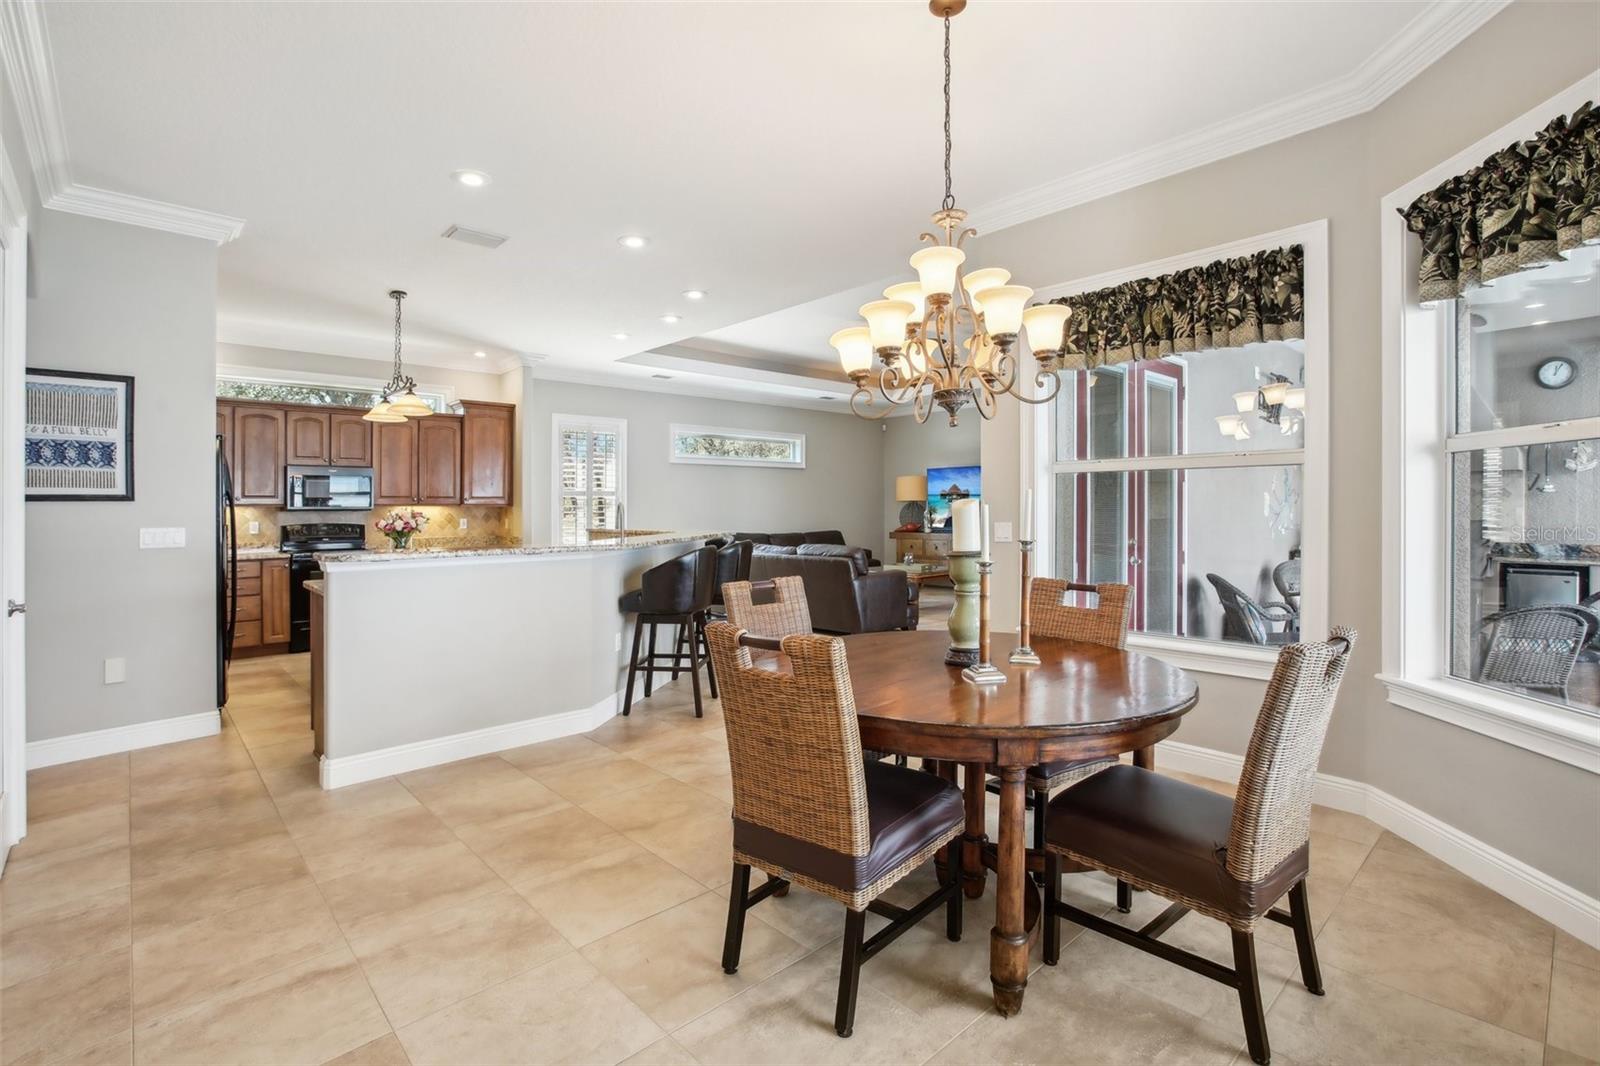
[(1047, 327), (980, 281), (1002, 309), (936, 268), (399, 400), (886, 321), (911, 293), (409, 405), (855, 349), (383, 411)]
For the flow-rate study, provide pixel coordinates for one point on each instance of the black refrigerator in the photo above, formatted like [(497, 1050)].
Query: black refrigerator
[(227, 571)]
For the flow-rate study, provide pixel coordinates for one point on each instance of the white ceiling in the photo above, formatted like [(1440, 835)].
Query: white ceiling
[(773, 153)]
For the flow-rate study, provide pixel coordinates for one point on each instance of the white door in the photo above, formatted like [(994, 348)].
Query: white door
[(13, 732)]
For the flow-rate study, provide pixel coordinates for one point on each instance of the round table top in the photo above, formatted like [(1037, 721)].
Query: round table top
[(1078, 689)]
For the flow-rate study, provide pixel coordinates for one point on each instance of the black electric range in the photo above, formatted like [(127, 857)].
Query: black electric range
[(301, 543)]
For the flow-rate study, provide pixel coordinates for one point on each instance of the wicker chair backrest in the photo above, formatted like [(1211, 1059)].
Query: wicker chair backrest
[(1272, 807), (793, 742), (1536, 647), (787, 614), (1104, 623)]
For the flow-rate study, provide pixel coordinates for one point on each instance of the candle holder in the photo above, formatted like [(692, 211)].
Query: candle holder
[(1025, 655), (983, 672), (964, 620)]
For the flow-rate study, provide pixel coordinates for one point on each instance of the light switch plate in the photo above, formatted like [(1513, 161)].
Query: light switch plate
[(463, 523), (1002, 532), (116, 671), (163, 537), (255, 527)]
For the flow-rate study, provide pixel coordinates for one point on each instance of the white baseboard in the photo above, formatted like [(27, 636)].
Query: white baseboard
[(57, 750), (1555, 901), (403, 758)]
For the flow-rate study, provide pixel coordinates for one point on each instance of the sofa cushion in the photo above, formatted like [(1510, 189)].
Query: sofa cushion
[(756, 538), (794, 540), (824, 536), (860, 558), (773, 549)]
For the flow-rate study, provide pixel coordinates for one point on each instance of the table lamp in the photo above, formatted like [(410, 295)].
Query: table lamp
[(912, 490)]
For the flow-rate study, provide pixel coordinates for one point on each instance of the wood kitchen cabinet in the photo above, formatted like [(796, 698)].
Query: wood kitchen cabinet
[(349, 439), (261, 626), (275, 601), (417, 461), (306, 438), (225, 429), (258, 453), (486, 469)]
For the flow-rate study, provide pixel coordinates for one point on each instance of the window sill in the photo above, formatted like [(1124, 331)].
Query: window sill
[(1566, 736), (1208, 657)]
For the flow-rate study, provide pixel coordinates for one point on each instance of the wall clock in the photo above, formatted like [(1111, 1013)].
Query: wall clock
[(1556, 373)]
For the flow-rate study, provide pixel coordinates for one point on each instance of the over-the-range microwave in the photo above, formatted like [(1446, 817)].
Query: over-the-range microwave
[(329, 488)]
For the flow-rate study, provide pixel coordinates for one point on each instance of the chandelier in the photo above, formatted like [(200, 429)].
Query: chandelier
[(1278, 403), (399, 400), (947, 339)]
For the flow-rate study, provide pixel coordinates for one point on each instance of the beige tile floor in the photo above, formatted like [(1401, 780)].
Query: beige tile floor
[(206, 902)]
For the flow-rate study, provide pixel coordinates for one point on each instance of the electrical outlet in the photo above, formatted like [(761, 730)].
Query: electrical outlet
[(165, 537), (255, 527), (463, 523), (1002, 532), (116, 671)]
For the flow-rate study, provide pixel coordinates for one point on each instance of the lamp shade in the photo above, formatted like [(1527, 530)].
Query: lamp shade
[(1295, 399), (911, 293), (910, 488), (1274, 392), (1244, 402), (854, 346), (936, 268), (1046, 325), (980, 281), (409, 405), (1228, 425), (886, 322), (382, 411), (1002, 308)]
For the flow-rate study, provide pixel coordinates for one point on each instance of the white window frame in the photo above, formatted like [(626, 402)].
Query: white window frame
[(311, 379), (674, 430), (1416, 484), (559, 422), (1039, 467)]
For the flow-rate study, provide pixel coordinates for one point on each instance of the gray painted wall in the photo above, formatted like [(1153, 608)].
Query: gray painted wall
[(1514, 800), (840, 488), (122, 299), (909, 448)]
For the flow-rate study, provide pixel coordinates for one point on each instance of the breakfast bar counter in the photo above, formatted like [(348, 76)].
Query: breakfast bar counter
[(429, 656)]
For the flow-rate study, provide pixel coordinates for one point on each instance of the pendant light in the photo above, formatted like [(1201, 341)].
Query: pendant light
[(399, 400)]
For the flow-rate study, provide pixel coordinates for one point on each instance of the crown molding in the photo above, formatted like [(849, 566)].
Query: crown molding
[(30, 73), (1421, 42)]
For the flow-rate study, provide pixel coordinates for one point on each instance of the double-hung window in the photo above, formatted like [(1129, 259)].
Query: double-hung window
[(1199, 480), (589, 476)]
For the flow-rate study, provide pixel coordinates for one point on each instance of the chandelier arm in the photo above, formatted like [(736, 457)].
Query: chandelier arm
[(1039, 379), (857, 410)]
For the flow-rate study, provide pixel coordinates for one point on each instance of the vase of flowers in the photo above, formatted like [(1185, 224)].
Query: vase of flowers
[(399, 526)]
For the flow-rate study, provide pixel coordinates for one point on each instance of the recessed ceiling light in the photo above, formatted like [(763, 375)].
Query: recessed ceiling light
[(481, 355), (824, 397), (472, 179), (669, 319), (1531, 307), (619, 336), (1542, 322), (662, 377), (632, 241), (694, 294)]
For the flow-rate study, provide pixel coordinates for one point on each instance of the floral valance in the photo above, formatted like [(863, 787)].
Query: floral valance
[(1259, 297), (1523, 207)]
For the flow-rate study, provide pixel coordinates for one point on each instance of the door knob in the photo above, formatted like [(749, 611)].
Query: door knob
[(13, 607)]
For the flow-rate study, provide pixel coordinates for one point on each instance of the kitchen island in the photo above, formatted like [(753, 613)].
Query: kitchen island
[(436, 655)]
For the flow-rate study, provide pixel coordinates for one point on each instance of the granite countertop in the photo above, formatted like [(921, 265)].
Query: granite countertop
[(607, 544), (262, 553), (314, 586)]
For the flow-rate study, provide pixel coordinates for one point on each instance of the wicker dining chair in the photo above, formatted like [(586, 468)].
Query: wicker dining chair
[(808, 809), (1245, 619), (1286, 579), (786, 614), (1229, 859), (1535, 647)]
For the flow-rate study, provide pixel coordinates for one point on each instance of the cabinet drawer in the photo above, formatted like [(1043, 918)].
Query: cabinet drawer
[(936, 548), (251, 568), (249, 608), (249, 586), (247, 634)]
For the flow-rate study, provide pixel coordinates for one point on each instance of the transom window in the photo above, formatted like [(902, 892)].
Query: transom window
[(588, 482), (737, 447), (330, 395)]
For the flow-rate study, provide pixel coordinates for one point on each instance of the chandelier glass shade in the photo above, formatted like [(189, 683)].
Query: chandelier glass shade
[(399, 400), (949, 339)]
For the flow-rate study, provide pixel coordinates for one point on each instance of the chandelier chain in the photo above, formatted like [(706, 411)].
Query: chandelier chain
[(949, 197)]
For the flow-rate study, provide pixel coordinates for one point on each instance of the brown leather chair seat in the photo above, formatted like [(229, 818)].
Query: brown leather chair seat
[(1050, 775), (1164, 832), (906, 811)]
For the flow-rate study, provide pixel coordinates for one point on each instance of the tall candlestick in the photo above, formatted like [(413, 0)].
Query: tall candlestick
[(964, 533), (983, 672), (1024, 655), (1027, 515), (985, 513)]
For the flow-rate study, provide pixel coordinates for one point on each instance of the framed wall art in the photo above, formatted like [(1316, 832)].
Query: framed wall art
[(78, 436)]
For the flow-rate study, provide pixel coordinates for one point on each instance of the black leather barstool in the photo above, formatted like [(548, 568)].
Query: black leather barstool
[(676, 593), (733, 564)]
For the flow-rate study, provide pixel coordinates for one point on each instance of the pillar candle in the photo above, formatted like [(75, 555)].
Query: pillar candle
[(964, 534), (985, 523), (1027, 514)]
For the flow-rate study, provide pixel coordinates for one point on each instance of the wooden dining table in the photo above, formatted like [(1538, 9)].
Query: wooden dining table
[(1081, 701)]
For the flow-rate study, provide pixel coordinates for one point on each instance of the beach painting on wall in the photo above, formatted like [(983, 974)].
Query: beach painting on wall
[(946, 484)]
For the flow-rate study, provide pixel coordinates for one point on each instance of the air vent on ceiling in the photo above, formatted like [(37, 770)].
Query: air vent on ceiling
[(482, 238), (662, 377)]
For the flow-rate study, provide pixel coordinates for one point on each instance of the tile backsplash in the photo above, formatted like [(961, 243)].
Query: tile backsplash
[(487, 527)]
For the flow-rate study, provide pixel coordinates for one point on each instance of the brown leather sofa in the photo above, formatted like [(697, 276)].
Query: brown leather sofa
[(844, 593), (794, 540)]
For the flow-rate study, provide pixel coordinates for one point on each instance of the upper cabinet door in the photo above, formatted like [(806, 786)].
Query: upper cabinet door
[(394, 462), (349, 439), (258, 454), (307, 435), (486, 453), (225, 429), (439, 459)]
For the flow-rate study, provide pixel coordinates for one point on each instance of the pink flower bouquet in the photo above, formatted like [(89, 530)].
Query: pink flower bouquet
[(399, 525)]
